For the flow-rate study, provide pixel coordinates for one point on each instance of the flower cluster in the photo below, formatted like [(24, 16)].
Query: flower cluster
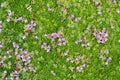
[(99, 9), (80, 61), (75, 19), (101, 36), (1, 26), (66, 53), (80, 68), (46, 47), (22, 62), (57, 36), (15, 45), (10, 14), (104, 56), (22, 19), (13, 76), (84, 42), (30, 26)]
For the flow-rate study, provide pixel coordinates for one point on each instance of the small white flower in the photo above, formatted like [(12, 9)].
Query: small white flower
[(8, 20), (106, 63), (119, 40)]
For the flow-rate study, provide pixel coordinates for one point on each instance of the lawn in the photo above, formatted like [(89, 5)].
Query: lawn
[(59, 39)]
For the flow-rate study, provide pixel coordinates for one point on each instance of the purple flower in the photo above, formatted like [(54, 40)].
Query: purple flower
[(15, 45), (102, 37), (49, 9), (34, 24), (29, 57), (109, 59), (20, 18), (48, 47), (54, 35), (79, 69), (66, 53), (9, 13), (42, 46), (52, 39), (17, 78), (25, 52)]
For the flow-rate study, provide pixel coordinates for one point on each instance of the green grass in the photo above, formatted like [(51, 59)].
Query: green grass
[(53, 65)]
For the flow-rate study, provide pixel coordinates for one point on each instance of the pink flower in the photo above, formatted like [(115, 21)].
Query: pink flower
[(17, 78), (99, 12), (52, 39), (79, 18), (96, 2), (42, 46), (25, 52), (94, 34)]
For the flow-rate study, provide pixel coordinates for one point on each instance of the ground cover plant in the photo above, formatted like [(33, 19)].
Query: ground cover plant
[(59, 39)]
